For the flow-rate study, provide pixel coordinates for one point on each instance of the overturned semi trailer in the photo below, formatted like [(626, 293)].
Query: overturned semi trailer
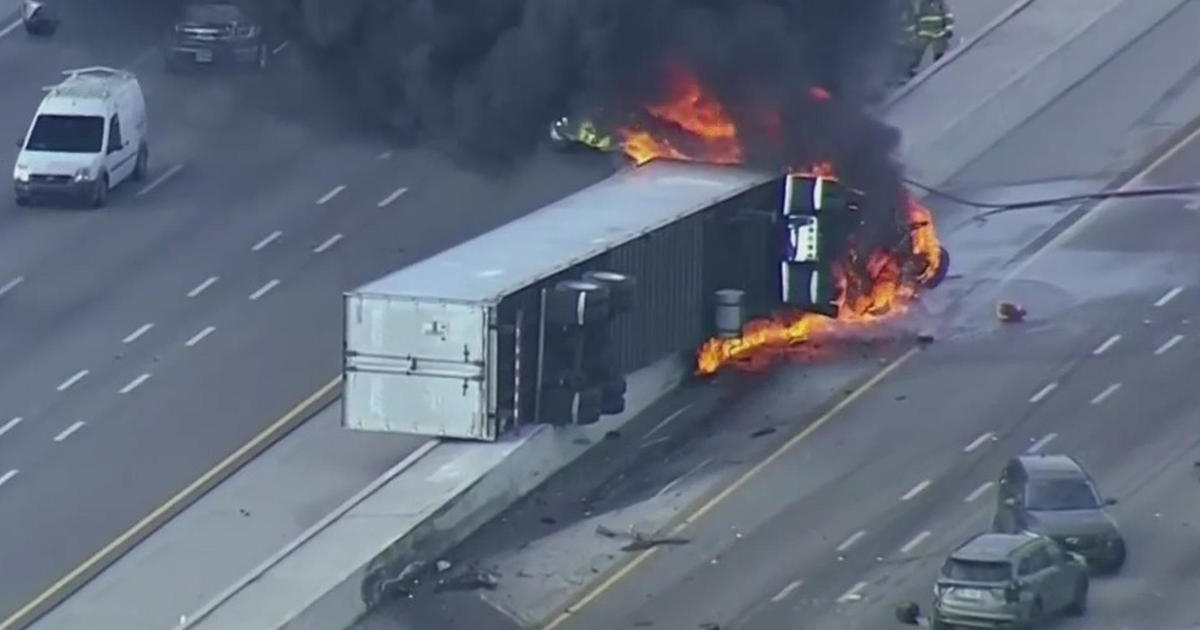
[(539, 320)]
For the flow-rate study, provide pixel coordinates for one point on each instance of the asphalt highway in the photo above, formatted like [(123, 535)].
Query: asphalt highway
[(831, 528), (146, 341)]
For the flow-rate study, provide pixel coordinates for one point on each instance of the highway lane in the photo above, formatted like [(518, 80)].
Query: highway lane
[(91, 460)]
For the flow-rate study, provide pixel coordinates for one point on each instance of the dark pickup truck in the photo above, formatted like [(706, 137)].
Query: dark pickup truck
[(207, 33)]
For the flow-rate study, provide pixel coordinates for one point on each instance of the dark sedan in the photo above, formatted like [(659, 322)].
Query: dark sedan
[(216, 33)]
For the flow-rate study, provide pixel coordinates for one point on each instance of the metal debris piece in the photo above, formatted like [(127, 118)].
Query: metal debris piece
[(470, 580), (1009, 312), (638, 540), (443, 566), (763, 431)]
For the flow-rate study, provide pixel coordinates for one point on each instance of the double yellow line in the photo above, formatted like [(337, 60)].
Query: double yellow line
[(101, 560)]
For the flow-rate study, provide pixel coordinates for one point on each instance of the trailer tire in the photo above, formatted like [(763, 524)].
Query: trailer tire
[(613, 400), (577, 303), (562, 406), (620, 289), (943, 269)]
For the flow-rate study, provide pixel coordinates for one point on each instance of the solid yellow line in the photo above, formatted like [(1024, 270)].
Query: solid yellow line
[(731, 488), (68, 582)]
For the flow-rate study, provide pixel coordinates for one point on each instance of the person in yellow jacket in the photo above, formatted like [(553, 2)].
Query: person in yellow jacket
[(585, 133), (930, 25)]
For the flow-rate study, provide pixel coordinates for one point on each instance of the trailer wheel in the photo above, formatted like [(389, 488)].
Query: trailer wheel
[(577, 303), (620, 289), (613, 400), (562, 406), (943, 269)]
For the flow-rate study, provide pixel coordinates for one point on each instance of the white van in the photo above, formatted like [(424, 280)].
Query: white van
[(89, 134)]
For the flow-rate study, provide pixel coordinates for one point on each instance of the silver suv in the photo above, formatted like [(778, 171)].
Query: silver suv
[(1005, 581)]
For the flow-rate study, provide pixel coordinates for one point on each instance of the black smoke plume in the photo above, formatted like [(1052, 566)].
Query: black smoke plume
[(486, 77)]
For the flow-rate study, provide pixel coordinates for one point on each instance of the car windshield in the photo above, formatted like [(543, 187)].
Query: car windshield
[(1061, 494), (67, 134), (976, 571)]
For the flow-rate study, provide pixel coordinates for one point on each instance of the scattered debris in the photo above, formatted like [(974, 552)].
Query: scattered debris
[(638, 540), (443, 566), (243, 512), (1009, 313), (470, 580), (763, 431)]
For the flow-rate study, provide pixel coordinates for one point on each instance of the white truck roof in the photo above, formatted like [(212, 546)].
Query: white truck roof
[(86, 91)]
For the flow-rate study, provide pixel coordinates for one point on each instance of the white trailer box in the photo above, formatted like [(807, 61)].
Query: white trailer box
[(423, 345)]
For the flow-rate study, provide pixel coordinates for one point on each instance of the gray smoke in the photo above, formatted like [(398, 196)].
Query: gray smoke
[(485, 77)]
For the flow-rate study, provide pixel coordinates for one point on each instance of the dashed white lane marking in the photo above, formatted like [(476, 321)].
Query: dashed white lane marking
[(1170, 344), (11, 284), (978, 442), (385, 155), (198, 337), (1041, 444), (849, 542), (854, 594), (8, 475), (392, 197), (78, 376), (66, 433), (280, 48), (1108, 343), (135, 383), (158, 181), (1168, 296), (329, 242), (654, 441), (915, 542), (133, 336), (267, 240), (658, 427), (202, 286), (695, 469), (263, 289), (787, 590), (10, 28), (10, 425), (978, 492), (1108, 391), (917, 489), (1043, 392), (331, 194)]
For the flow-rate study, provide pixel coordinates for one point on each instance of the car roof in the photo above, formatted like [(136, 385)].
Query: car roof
[(992, 547), (212, 12), (1052, 466), (85, 91)]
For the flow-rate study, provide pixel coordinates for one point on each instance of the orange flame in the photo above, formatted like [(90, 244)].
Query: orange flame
[(696, 119), (870, 291)]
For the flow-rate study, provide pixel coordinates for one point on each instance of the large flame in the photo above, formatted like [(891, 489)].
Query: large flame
[(871, 290), (693, 126), (689, 117)]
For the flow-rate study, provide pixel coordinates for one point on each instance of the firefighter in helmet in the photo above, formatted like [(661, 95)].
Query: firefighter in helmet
[(931, 27)]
